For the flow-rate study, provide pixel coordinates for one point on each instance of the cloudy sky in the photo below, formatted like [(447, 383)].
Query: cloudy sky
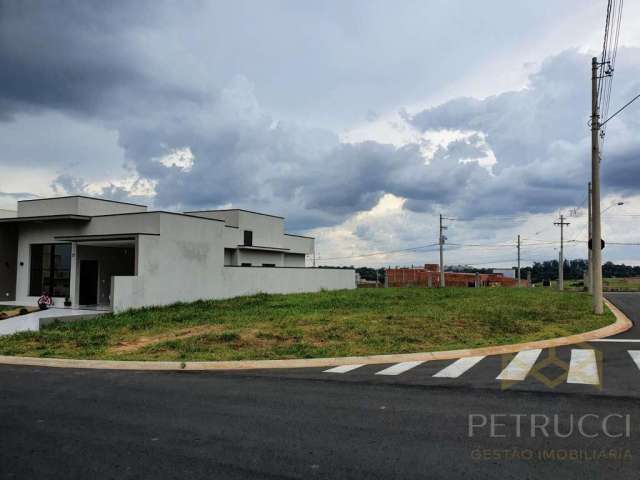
[(359, 121)]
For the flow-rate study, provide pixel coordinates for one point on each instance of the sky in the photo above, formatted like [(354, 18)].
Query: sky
[(360, 121)]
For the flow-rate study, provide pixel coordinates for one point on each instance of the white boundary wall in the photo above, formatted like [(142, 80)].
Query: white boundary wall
[(227, 282), (248, 280)]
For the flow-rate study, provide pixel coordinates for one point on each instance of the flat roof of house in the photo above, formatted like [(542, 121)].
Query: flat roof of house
[(46, 218), (82, 196), (259, 247), (235, 210), (301, 236), (107, 236)]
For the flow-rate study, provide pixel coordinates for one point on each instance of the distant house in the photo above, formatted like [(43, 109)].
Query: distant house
[(429, 276), (119, 255)]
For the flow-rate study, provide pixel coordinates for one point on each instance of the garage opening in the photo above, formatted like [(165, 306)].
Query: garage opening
[(97, 263)]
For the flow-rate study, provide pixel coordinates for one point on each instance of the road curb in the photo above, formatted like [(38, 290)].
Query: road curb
[(621, 324)]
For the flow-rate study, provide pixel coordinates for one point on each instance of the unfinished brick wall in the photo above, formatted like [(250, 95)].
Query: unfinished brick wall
[(429, 276)]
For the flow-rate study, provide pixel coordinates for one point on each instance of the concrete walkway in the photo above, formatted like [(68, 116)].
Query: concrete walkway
[(33, 321)]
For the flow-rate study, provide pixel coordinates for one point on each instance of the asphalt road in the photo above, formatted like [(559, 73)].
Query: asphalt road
[(57, 423)]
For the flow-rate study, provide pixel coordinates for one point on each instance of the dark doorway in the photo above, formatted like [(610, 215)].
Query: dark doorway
[(88, 282), (248, 238)]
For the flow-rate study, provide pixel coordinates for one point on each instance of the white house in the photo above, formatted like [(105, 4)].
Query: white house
[(119, 255)]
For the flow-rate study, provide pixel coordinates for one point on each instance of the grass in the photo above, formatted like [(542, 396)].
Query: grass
[(4, 308), (338, 323), (630, 284), (609, 284)]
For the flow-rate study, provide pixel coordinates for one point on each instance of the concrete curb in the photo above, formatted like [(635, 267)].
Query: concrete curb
[(621, 324)]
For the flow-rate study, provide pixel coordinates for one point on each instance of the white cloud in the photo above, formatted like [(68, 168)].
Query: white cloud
[(181, 158)]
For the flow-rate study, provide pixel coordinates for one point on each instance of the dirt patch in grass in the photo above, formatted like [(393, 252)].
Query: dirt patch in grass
[(324, 324), (128, 346)]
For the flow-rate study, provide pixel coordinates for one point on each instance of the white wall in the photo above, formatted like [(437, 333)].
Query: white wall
[(182, 264), (134, 292), (298, 244), (248, 281), (294, 260), (267, 231), (257, 257)]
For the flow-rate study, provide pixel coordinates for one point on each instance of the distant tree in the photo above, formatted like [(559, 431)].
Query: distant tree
[(368, 273), (546, 270)]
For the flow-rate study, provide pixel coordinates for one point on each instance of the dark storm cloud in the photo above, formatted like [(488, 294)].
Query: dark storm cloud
[(539, 136), (76, 56), (118, 64)]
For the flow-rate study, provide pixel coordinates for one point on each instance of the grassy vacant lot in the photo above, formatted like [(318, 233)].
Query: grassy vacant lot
[(609, 284), (348, 322), (630, 284)]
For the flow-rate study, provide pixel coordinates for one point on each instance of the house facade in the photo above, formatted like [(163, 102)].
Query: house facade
[(117, 255)]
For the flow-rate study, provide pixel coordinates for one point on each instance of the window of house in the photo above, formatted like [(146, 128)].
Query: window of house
[(248, 238), (268, 264), (50, 270)]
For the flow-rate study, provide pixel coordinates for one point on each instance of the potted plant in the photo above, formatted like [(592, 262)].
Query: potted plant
[(67, 302)]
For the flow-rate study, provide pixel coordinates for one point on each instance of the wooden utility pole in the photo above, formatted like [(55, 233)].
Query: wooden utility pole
[(441, 242), (561, 223), (518, 273), (596, 237), (590, 260)]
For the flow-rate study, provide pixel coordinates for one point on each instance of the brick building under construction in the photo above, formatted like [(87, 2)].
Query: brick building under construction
[(429, 276)]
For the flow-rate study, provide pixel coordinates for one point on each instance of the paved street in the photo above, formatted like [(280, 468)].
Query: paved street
[(410, 422)]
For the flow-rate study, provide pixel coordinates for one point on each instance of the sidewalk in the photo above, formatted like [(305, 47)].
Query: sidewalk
[(33, 321)]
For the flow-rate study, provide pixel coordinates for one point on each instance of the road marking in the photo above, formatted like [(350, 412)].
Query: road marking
[(635, 354), (398, 368), (616, 340), (520, 366), (583, 367), (343, 368), (458, 367)]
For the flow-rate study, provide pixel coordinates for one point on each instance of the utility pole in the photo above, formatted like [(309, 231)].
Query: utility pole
[(562, 223), (596, 238), (519, 282), (441, 242), (589, 230)]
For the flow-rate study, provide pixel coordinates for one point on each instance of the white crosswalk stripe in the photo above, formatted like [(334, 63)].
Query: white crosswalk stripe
[(343, 368), (583, 367), (458, 367), (520, 366), (635, 354), (399, 368)]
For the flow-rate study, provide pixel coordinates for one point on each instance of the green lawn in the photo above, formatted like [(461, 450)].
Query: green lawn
[(631, 284), (4, 308), (348, 322)]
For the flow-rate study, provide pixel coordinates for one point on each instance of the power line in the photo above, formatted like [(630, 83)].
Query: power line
[(372, 254), (625, 106)]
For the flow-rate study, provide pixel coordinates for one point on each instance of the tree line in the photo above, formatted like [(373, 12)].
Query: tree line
[(546, 270)]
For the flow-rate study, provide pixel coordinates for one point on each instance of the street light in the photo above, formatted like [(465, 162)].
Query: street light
[(618, 204)]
